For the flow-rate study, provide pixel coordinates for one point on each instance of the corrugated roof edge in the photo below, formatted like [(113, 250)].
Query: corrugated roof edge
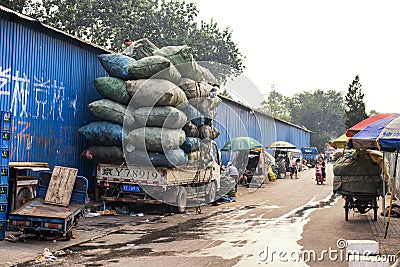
[(13, 15), (264, 113)]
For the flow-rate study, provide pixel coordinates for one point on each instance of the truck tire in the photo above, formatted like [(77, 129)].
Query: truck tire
[(181, 201), (68, 235), (212, 193)]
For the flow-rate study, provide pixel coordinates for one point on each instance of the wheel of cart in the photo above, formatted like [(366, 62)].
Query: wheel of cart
[(362, 202)]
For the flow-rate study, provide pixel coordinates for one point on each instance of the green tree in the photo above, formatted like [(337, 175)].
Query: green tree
[(278, 105), (321, 112), (372, 113), (164, 22), (354, 104), (226, 94), (16, 5)]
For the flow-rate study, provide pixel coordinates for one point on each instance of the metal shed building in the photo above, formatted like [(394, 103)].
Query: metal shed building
[(46, 81), (235, 119)]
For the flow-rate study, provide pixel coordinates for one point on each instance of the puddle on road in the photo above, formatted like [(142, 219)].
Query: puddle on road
[(260, 239), (233, 233)]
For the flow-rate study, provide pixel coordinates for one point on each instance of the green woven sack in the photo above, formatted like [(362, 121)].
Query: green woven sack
[(168, 117), (155, 67), (176, 54), (191, 70), (112, 88), (109, 110), (154, 139), (155, 92), (194, 89), (207, 75), (182, 58)]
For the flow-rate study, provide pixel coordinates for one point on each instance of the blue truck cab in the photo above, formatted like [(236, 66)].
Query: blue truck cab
[(310, 155)]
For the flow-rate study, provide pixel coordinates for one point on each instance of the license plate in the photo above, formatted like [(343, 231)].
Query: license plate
[(131, 188)]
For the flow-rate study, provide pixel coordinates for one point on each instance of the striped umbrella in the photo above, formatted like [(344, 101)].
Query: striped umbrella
[(383, 134), (364, 123)]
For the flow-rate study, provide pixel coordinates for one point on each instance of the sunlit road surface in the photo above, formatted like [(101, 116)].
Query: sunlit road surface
[(270, 227)]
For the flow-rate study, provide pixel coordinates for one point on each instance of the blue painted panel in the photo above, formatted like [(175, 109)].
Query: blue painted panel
[(46, 82)]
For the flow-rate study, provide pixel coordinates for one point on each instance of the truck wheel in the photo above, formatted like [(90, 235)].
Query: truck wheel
[(68, 235), (181, 201), (212, 193)]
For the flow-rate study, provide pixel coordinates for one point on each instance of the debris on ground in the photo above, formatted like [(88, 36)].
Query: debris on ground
[(226, 198), (122, 209), (136, 214), (91, 214), (107, 212), (395, 212), (19, 237), (48, 257)]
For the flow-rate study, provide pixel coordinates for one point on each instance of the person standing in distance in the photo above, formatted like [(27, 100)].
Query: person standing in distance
[(232, 172)]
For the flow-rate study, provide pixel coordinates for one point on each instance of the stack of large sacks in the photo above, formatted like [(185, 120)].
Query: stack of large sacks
[(358, 172), (158, 104)]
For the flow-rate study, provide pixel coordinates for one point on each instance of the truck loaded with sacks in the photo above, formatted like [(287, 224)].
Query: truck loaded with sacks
[(154, 141)]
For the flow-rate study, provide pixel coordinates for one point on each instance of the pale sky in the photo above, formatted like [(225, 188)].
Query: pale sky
[(297, 45)]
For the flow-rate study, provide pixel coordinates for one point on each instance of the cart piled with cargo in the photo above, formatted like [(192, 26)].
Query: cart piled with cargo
[(153, 142), (358, 177)]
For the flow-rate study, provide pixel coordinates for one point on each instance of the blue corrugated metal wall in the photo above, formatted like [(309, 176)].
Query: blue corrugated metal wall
[(234, 120), (46, 81)]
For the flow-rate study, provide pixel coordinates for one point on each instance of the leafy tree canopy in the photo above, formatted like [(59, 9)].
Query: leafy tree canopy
[(278, 105), (164, 22), (226, 94), (354, 104), (321, 112), (372, 113)]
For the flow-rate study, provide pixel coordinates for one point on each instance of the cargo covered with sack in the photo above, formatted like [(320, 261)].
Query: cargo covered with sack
[(357, 173)]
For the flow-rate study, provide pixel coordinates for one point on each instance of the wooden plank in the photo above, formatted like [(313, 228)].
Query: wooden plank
[(28, 164), (60, 187)]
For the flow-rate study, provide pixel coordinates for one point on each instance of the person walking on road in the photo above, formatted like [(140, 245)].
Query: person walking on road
[(321, 163), (294, 169), (232, 172)]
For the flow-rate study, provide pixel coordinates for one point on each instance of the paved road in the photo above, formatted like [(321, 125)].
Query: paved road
[(268, 227)]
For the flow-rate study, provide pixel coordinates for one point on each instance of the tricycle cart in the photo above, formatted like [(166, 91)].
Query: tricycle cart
[(358, 178), (362, 202), (39, 218)]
